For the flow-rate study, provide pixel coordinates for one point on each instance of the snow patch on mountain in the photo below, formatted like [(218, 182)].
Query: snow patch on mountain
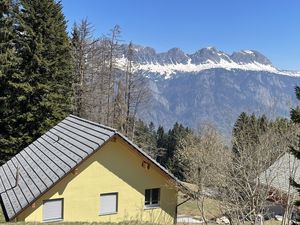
[(176, 61), (167, 70), (248, 52)]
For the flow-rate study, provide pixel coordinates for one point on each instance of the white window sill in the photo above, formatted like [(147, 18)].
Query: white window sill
[(53, 221), (146, 207), (107, 214)]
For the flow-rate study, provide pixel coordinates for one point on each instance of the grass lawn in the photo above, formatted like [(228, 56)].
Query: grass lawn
[(211, 208), (81, 223), (1, 216), (188, 208), (272, 222)]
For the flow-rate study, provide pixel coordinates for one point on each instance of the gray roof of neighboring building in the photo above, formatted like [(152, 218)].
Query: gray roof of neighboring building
[(48, 159), (279, 173)]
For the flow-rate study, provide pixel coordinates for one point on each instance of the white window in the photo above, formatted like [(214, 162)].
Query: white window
[(53, 210), (152, 197), (108, 203)]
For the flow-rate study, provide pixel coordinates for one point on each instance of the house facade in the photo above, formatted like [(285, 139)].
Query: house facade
[(115, 181)]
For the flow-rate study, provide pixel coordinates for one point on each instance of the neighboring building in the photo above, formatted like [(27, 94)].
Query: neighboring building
[(84, 171), (277, 179), (279, 173)]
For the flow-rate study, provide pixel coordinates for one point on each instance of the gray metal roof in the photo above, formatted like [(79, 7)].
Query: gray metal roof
[(48, 159), (279, 173)]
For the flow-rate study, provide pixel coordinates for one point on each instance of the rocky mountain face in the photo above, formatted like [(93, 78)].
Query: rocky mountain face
[(212, 86)]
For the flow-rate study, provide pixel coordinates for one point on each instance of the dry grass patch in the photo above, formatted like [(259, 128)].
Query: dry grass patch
[(211, 206), (1, 216), (190, 208), (81, 223), (272, 222), (268, 222)]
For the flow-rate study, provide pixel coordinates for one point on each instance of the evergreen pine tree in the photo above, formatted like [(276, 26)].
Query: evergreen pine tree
[(145, 138), (177, 133), (161, 144), (47, 62), (37, 73), (247, 130), (295, 150), (295, 113), (12, 85)]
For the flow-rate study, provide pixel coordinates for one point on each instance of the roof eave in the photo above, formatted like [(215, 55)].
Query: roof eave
[(4, 210)]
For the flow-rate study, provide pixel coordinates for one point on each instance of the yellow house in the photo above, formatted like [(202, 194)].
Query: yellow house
[(84, 171)]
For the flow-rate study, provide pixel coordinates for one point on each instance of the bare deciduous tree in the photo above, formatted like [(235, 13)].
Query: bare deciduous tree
[(113, 53), (204, 158), (243, 180), (137, 91), (248, 185), (108, 86), (82, 41)]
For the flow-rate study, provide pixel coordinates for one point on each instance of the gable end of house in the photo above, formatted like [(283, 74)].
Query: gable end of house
[(69, 143)]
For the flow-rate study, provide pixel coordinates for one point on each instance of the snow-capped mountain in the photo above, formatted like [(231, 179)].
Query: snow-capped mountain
[(212, 86), (175, 60)]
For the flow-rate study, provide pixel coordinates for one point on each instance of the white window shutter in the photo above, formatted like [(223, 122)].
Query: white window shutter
[(108, 203), (53, 210)]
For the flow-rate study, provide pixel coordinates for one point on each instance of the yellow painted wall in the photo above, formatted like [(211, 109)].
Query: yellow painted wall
[(116, 167)]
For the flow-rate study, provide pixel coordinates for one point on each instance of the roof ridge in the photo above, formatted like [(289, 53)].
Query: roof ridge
[(93, 123)]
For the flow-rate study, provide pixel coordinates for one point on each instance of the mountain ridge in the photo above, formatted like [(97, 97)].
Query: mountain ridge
[(213, 86), (175, 60)]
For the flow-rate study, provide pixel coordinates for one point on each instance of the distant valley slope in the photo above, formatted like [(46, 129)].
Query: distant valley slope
[(212, 86)]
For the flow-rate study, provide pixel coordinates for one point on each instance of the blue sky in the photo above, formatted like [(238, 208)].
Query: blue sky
[(269, 26)]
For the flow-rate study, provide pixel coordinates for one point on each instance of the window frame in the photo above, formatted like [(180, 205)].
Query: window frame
[(151, 205), (117, 203), (62, 210)]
